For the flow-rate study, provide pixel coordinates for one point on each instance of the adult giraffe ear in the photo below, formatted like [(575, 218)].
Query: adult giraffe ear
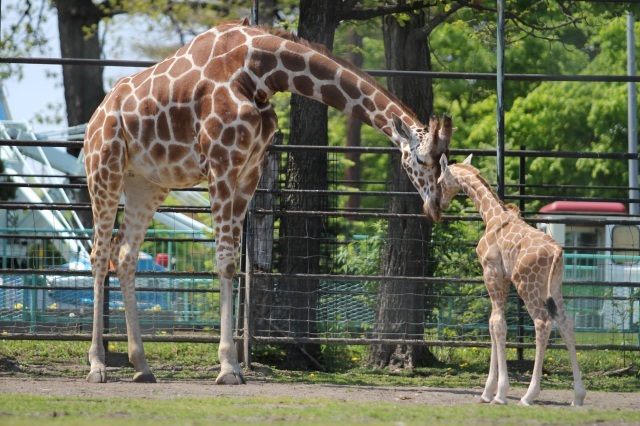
[(468, 160), (403, 130)]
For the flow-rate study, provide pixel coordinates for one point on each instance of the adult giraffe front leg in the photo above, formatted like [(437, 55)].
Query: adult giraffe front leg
[(105, 190)]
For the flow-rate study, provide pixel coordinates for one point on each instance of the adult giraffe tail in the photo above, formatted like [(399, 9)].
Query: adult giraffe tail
[(557, 267)]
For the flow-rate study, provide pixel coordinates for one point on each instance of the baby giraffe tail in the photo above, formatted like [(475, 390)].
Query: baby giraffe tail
[(556, 268)]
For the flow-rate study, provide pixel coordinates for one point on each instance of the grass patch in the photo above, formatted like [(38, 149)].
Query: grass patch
[(458, 368), (224, 410)]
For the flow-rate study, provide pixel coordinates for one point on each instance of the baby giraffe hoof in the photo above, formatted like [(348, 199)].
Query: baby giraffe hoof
[(524, 403), (484, 400), (498, 401), (144, 378)]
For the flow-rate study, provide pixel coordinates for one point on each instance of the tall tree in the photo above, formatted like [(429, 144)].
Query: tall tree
[(74, 18), (354, 126), (401, 305), (301, 235)]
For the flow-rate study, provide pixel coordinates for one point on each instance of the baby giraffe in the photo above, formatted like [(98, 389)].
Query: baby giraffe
[(512, 251)]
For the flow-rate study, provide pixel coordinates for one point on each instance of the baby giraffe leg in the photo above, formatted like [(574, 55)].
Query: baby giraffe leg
[(543, 330), (499, 327), (492, 380), (565, 326), (497, 386)]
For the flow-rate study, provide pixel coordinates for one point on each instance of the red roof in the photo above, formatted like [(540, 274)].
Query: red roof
[(585, 206)]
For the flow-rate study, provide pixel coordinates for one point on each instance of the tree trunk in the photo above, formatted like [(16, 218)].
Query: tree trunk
[(263, 230), (354, 126), (83, 85), (267, 12), (401, 305), (301, 235), (263, 225)]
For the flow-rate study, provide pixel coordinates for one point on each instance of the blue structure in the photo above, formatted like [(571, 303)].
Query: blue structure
[(4, 107)]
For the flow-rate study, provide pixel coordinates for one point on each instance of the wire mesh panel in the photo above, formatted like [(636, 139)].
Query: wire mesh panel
[(341, 288), (175, 289)]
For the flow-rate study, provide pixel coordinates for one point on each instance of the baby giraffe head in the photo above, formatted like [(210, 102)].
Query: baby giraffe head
[(448, 185), (421, 148)]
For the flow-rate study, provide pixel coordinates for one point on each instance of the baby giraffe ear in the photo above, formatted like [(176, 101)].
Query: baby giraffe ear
[(468, 159), (443, 167), (403, 130)]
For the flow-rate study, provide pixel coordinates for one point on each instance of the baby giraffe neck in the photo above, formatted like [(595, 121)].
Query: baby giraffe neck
[(481, 194)]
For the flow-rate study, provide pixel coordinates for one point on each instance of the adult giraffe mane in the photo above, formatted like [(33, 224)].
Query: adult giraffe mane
[(322, 49)]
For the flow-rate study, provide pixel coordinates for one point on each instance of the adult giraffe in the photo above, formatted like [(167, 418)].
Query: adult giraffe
[(203, 114)]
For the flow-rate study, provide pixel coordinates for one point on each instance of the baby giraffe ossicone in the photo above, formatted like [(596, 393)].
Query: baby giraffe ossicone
[(511, 251)]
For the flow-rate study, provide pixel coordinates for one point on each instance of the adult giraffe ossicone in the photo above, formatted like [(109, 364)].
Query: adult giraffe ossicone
[(203, 114)]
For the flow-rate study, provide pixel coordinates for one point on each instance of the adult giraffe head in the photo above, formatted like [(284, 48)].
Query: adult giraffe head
[(421, 150)]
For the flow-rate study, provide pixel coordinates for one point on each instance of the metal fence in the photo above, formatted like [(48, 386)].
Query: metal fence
[(45, 286)]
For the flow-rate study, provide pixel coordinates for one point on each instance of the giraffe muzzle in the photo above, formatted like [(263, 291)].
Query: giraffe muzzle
[(432, 210)]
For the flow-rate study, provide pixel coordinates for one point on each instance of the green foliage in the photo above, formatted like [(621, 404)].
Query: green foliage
[(562, 116), (374, 167), (454, 248), (361, 255), (21, 32)]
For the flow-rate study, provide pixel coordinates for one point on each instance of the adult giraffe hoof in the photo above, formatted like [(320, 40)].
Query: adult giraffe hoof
[(99, 376), (524, 403), (144, 378), (231, 378)]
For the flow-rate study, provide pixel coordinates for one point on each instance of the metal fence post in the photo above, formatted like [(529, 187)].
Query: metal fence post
[(500, 100)]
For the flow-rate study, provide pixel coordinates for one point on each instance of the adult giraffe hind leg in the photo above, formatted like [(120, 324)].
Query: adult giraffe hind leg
[(142, 199)]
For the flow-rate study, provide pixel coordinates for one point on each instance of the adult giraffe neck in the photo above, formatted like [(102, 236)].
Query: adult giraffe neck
[(279, 61)]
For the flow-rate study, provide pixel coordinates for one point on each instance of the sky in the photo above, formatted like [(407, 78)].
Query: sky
[(30, 96)]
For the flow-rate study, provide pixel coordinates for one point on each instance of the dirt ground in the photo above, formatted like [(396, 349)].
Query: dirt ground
[(259, 385)]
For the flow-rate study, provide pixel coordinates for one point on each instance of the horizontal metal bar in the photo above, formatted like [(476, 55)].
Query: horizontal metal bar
[(110, 289), (186, 275), (78, 61), (336, 214), (376, 150), (375, 73), (432, 343), (297, 340)]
